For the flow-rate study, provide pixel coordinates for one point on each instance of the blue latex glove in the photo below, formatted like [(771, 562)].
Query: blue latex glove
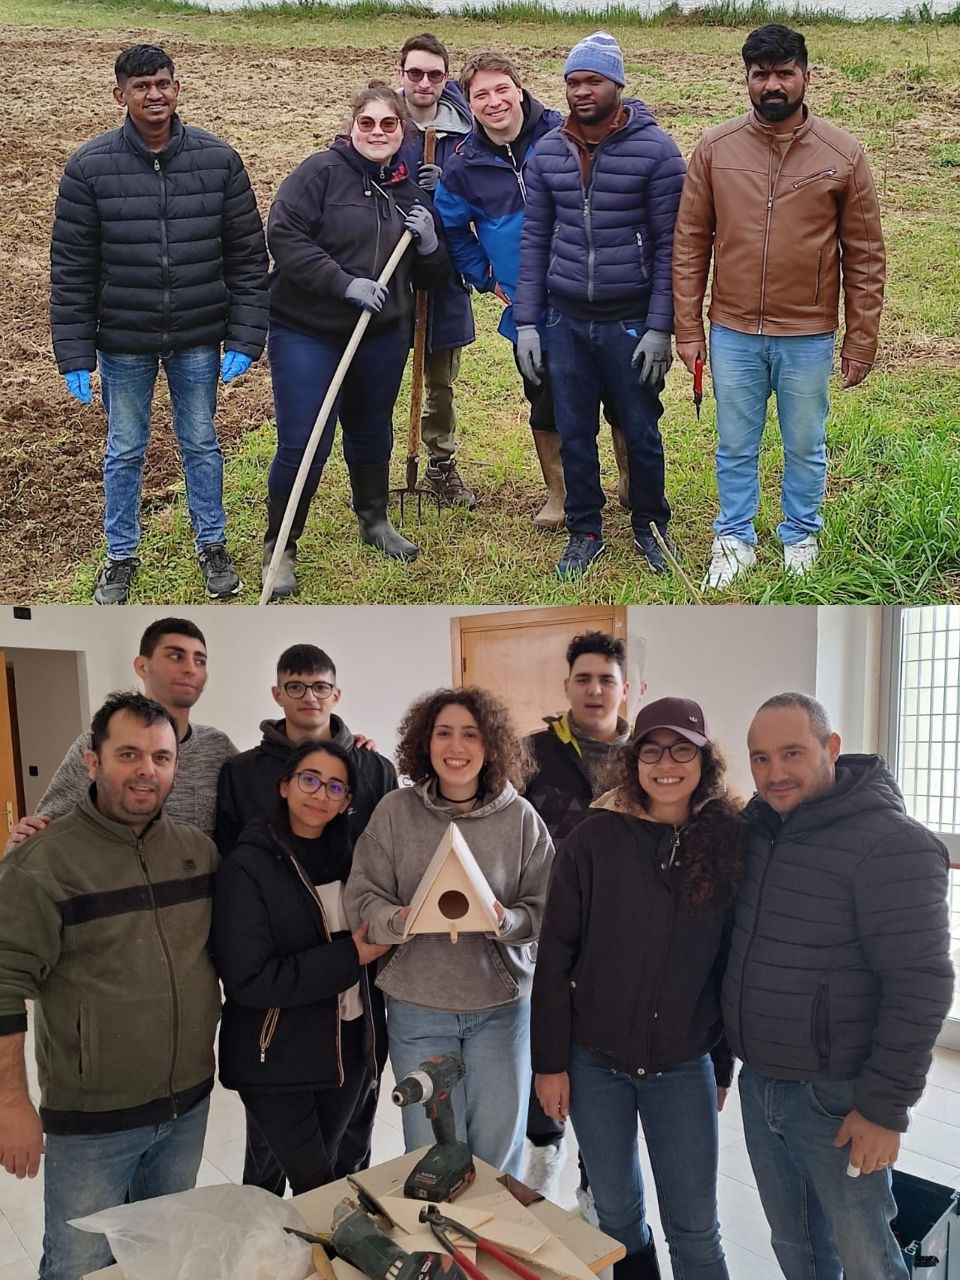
[(419, 222), (78, 384), (529, 355), (235, 364)]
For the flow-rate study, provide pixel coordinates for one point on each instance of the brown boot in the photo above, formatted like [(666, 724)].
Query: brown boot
[(550, 517), (623, 467)]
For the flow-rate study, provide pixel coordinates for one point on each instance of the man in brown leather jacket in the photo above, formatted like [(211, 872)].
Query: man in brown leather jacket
[(784, 203)]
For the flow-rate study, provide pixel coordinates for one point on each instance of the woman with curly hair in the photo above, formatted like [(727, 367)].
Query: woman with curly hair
[(626, 1000), (466, 763)]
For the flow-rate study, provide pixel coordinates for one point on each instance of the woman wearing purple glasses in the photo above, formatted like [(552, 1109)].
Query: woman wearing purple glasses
[(334, 223), (303, 1027)]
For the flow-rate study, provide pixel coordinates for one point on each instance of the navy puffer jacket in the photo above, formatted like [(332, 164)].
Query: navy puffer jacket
[(155, 253), (611, 240)]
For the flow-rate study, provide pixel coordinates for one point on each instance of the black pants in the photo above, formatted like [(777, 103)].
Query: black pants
[(544, 1132), (299, 1134)]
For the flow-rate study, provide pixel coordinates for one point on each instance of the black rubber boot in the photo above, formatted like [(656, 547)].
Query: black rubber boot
[(371, 485), (642, 1265), (285, 583)]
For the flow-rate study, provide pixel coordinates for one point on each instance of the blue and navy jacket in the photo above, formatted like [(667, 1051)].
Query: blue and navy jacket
[(450, 316), (481, 200), (609, 242)]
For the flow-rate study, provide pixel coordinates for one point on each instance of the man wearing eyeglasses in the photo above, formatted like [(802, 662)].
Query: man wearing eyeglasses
[(435, 102), (306, 691)]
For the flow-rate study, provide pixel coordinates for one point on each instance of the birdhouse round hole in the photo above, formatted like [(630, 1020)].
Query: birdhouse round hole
[(453, 904)]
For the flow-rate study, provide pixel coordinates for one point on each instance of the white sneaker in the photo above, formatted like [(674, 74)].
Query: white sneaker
[(801, 556), (728, 557), (544, 1166), (585, 1203)]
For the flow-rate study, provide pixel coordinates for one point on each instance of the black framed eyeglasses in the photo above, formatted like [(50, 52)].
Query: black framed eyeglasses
[(416, 74), (297, 689), (310, 783), (682, 752)]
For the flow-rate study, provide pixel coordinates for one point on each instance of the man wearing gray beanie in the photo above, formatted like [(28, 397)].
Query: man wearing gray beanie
[(594, 298)]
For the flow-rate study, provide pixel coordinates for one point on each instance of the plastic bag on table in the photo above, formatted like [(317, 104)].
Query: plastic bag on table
[(209, 1233)]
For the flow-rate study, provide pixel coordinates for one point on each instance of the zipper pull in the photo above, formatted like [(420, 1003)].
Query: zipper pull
[(770, 201), (263, 1056), (156, 165)]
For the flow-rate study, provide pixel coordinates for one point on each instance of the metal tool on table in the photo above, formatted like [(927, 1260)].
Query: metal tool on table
[(447, 1168), (319, 1244), (358, 1239), (371, 1206), (412, 489), (440, 1225), (698, 385)]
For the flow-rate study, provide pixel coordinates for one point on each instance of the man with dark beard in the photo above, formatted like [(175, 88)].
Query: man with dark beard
[(785, 205)]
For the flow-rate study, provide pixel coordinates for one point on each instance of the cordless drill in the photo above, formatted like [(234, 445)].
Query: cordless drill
[(447, 1168)]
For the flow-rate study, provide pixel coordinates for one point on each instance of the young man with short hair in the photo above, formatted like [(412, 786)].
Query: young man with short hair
[(157, 257), (104, 926), (434, 101), (172, 665)]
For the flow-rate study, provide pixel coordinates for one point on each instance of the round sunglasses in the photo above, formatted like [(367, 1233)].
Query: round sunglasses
[(367, 124), (416, 74)]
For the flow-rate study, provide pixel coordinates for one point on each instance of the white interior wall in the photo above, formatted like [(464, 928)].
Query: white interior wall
[(50, 705)]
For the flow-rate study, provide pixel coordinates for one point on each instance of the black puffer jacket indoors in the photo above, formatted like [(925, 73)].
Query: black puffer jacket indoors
[(156, 252), (840, 960)]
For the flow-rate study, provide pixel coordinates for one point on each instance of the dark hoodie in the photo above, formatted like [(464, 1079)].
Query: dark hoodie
[(248, 787), (840, 960), (335, 219)]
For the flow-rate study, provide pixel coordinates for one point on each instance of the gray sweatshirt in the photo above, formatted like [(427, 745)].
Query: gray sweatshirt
[(193, 798), (510, 842)]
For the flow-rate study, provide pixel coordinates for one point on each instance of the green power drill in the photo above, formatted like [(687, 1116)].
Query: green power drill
[(358, 1239), (447, 1168)]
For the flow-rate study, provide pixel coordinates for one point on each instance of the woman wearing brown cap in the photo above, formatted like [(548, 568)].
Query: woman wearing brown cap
[(626, 997)]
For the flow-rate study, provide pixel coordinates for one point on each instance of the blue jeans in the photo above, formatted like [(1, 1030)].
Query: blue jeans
[(87, 1173), (823, 1224), (746, 368), (678, 1111), (127, 383), (302, 367), (589, 360), (490, 1104)]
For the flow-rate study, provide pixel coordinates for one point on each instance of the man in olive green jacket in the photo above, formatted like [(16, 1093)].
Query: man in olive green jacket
[(104, 925)]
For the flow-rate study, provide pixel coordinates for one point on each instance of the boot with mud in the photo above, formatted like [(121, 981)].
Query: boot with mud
[(550, 517), (623, 467), (285, 583), (371, 486)]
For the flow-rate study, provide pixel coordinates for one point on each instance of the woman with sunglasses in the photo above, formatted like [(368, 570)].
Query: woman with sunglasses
[(466, 761), (626, 998), (302, 1025), (334, 223)]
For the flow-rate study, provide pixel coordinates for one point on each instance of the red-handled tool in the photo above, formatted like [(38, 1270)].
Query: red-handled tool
[(698, 386), (440, 1225)]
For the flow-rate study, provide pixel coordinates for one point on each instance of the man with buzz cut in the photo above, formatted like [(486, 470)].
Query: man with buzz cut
[(104, 927), (157, 257), (172, 666), (836, 988), (435, 102), (306, 691), (572, 755)]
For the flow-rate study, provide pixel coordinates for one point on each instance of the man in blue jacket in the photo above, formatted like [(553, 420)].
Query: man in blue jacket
[(434, 102), (595, 290), (158, 257)]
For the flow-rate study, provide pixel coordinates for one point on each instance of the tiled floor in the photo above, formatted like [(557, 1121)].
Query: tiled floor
[(931, 1149)]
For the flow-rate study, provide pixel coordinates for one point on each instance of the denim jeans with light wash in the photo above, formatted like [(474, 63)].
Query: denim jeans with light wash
[(490, 1103), (746, 368), (127, 383), (87, 1173), (678, 1112), (823, 1224), (589, 361)]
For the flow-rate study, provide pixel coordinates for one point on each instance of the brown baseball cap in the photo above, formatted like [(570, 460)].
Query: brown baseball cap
[(682, 715)]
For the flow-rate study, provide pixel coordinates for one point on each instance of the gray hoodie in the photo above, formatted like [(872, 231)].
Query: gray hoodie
[(510, 842)]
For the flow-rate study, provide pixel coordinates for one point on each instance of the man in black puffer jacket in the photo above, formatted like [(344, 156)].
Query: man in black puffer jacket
[(838, 982), (157, 255)]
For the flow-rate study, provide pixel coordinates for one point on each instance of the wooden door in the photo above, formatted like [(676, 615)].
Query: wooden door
[(11, 802), (519, 655)]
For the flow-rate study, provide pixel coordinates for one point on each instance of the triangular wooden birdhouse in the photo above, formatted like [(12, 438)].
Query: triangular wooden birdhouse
[(453, 896)]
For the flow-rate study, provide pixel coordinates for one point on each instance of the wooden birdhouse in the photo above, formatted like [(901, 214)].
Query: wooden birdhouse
[(453, 896)]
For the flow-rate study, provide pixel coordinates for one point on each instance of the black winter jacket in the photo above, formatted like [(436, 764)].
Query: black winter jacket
[(281, 968), (332, 223), (840, 960), (247, 789), (626, 967), (156, 253), (560, 790)]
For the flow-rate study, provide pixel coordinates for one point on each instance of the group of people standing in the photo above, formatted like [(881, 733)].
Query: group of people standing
[(651, 931), (589, 229)]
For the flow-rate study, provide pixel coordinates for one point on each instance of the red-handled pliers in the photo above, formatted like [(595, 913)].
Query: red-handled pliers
[(698, 386), (439, 1225)]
